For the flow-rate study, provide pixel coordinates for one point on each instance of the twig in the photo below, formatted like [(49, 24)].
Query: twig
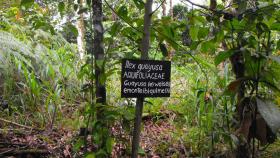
[(122, 17), (6, 152), (11, 144), (27, 151), (163, 1), (24, 126), (200, 6)]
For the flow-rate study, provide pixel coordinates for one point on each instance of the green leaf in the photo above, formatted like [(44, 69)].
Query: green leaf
[(109, 144), (78, 145), (222, 56), (100, 63), (89, 2), (238, 25), (219, 36), (90, 155), (193, 32), (141, 152), (102, 78), (73, 29), (262, 27), (202, 33), (61, 7), (114, 29), (26, 3), (275, 26), (207, 46), (139, 4), (122, 11)]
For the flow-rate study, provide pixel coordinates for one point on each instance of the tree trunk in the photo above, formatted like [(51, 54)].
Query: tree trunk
[(81, 32), (98, 48), (238, 65), (164, 8), (171, 8), (144, 55)]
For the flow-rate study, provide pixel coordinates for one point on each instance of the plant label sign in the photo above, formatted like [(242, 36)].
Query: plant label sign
[(145, 78)]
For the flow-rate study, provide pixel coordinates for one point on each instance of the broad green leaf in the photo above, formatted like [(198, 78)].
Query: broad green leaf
[(193, 32), (73, 29), (207, 46), (202, 33), (109, 144), (122, 11), (222, 56), (238, 25), (114, 29)]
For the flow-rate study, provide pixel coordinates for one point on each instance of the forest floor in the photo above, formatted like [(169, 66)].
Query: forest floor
[(17, 141)]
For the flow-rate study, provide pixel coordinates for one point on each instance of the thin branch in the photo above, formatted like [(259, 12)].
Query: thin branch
[(162, 2), (14, 123), (200, 6), (122, 17)]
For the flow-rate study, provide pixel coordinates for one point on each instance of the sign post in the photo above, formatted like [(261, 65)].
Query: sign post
[(140, 79)]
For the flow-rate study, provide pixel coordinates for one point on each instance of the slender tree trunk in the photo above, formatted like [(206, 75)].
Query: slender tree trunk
[(171, 8), (98, 47), (164, 8), (81, 33), (144, 55), (238, 65)]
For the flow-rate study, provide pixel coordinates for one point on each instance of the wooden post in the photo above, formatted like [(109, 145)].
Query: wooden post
[(144, 55)]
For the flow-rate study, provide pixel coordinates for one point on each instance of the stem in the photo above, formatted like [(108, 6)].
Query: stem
[(144, 55), (137, 127)]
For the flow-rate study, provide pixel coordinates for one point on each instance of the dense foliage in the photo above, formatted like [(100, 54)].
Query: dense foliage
[(225, 68)]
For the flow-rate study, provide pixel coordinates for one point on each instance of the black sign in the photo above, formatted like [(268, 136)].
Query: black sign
[(145, 78)]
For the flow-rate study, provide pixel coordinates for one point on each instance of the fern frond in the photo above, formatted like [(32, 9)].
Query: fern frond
[(11, 46)]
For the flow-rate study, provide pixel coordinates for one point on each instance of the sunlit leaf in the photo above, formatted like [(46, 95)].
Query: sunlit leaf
[(193, 32)]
